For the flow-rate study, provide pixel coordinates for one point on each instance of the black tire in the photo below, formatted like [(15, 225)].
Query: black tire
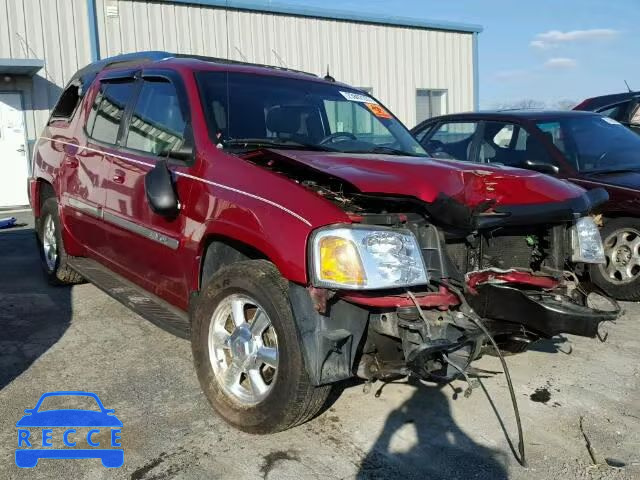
[(292, 399), (619, 290), (57, 271)]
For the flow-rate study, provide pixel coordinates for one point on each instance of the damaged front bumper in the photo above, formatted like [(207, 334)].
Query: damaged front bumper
[(544, 313)]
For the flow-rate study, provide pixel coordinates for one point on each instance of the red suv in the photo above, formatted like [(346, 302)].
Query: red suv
[(294, 229)]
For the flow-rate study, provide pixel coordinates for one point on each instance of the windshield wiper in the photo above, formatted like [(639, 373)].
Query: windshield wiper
[(274, 142)]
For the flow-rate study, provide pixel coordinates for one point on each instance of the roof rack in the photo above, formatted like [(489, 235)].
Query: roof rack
[(85, 75), (227, 61)]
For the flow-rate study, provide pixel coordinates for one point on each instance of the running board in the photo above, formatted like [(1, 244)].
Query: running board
[(145, 304)]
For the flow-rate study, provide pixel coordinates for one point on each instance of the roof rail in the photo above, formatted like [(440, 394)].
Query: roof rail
[(85, 75), (227, 61)]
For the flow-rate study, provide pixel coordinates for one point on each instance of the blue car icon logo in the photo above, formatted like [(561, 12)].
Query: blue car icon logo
[(36, 433)]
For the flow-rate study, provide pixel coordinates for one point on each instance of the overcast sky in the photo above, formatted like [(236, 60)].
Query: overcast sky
[(545, 50)]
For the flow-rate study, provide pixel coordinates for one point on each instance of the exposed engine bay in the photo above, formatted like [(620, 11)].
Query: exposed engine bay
[(509, 269)]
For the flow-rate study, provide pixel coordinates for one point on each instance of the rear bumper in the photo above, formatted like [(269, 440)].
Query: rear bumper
[(546, 314)]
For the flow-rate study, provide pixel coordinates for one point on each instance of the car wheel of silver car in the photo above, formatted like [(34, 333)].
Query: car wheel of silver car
[(51, 247), (619, 276), (247, 351)]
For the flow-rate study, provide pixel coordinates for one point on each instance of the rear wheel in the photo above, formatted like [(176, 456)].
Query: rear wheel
[(619, 276), (247, 353), (53, 256)]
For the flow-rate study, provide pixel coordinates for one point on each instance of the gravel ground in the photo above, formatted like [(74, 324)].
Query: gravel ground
[(80, 339)]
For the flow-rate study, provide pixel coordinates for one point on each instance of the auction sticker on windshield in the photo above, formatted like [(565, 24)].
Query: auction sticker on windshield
[(378, 110), (356, 97), (56, 428)]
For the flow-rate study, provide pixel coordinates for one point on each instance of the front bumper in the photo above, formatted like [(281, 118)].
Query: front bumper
[(544, 313)]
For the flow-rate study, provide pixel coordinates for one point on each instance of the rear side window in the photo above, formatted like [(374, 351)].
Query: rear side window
[(157, 123), (67, 103), (108, 108)]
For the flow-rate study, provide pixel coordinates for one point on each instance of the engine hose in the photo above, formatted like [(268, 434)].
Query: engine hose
[(476, 320)]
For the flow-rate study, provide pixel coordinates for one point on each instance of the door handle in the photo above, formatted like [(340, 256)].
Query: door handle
[(21, 149), (118, 176)]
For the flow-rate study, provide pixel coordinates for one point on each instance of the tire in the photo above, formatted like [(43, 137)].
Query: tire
[(620, 279), (53, 256), (289, 399)]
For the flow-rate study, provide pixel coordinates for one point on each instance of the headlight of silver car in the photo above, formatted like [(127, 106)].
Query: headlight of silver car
[(586, 242), (366, 258)]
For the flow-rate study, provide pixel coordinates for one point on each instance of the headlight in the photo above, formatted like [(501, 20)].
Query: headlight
[(366, 258), (586, 242)]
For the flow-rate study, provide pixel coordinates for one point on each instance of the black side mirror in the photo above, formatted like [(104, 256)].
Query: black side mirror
[(185, 151), (160, 190), (541, 167)]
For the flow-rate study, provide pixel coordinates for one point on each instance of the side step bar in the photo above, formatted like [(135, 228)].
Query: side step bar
[(145, 304)]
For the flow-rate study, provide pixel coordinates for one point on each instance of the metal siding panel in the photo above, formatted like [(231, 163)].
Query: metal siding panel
[(182, 29), (81, 28), (67, 35), (15, 28), (168, 26), (156, 30), (195, 30), (127, 27), (141, 26)]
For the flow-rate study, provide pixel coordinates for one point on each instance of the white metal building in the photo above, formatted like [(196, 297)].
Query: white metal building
[(416, 68)]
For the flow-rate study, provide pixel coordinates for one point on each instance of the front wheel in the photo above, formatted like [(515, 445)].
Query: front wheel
[(619, 276), (247, 353)]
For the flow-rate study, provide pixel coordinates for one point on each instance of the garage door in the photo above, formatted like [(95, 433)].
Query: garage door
[(13, 152)]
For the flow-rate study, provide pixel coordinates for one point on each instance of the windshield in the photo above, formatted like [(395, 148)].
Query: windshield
[(594, 144), (253, 111)]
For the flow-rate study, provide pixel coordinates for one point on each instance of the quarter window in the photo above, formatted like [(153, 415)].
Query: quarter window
[(67, 103), (107, 111), (157, 123)]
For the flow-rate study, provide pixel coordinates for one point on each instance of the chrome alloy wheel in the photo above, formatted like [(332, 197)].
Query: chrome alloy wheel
[(622, 256), (243, 349), (50, 243)]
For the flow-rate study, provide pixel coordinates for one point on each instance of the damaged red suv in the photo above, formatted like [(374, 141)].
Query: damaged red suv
[(294, 230)]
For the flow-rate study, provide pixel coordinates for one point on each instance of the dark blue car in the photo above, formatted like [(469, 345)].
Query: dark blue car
[(68, 418)]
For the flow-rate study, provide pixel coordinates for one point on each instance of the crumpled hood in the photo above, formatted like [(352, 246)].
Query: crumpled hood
[(426, 178)]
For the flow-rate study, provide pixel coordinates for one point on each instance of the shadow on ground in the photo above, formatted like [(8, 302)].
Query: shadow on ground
[(33, 314), (439, 448)]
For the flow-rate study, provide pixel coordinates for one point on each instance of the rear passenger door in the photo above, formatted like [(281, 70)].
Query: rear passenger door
[(86, 168), (145, 246)]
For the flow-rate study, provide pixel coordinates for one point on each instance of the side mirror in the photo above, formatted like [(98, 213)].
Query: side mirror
[(160, 190), (541, 167), (185, 151)]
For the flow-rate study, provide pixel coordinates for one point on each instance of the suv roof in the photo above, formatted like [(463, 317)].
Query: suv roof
[(88, 73)]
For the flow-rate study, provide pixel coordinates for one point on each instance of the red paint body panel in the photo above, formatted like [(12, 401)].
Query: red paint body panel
[(425, 178), (512, 276), (442, 299)]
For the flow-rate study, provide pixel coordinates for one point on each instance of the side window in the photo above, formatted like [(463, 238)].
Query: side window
[(108, 108), (157, 124), (615, 111), (506, 144), (67, 103), (634, 117), (451, 140)]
